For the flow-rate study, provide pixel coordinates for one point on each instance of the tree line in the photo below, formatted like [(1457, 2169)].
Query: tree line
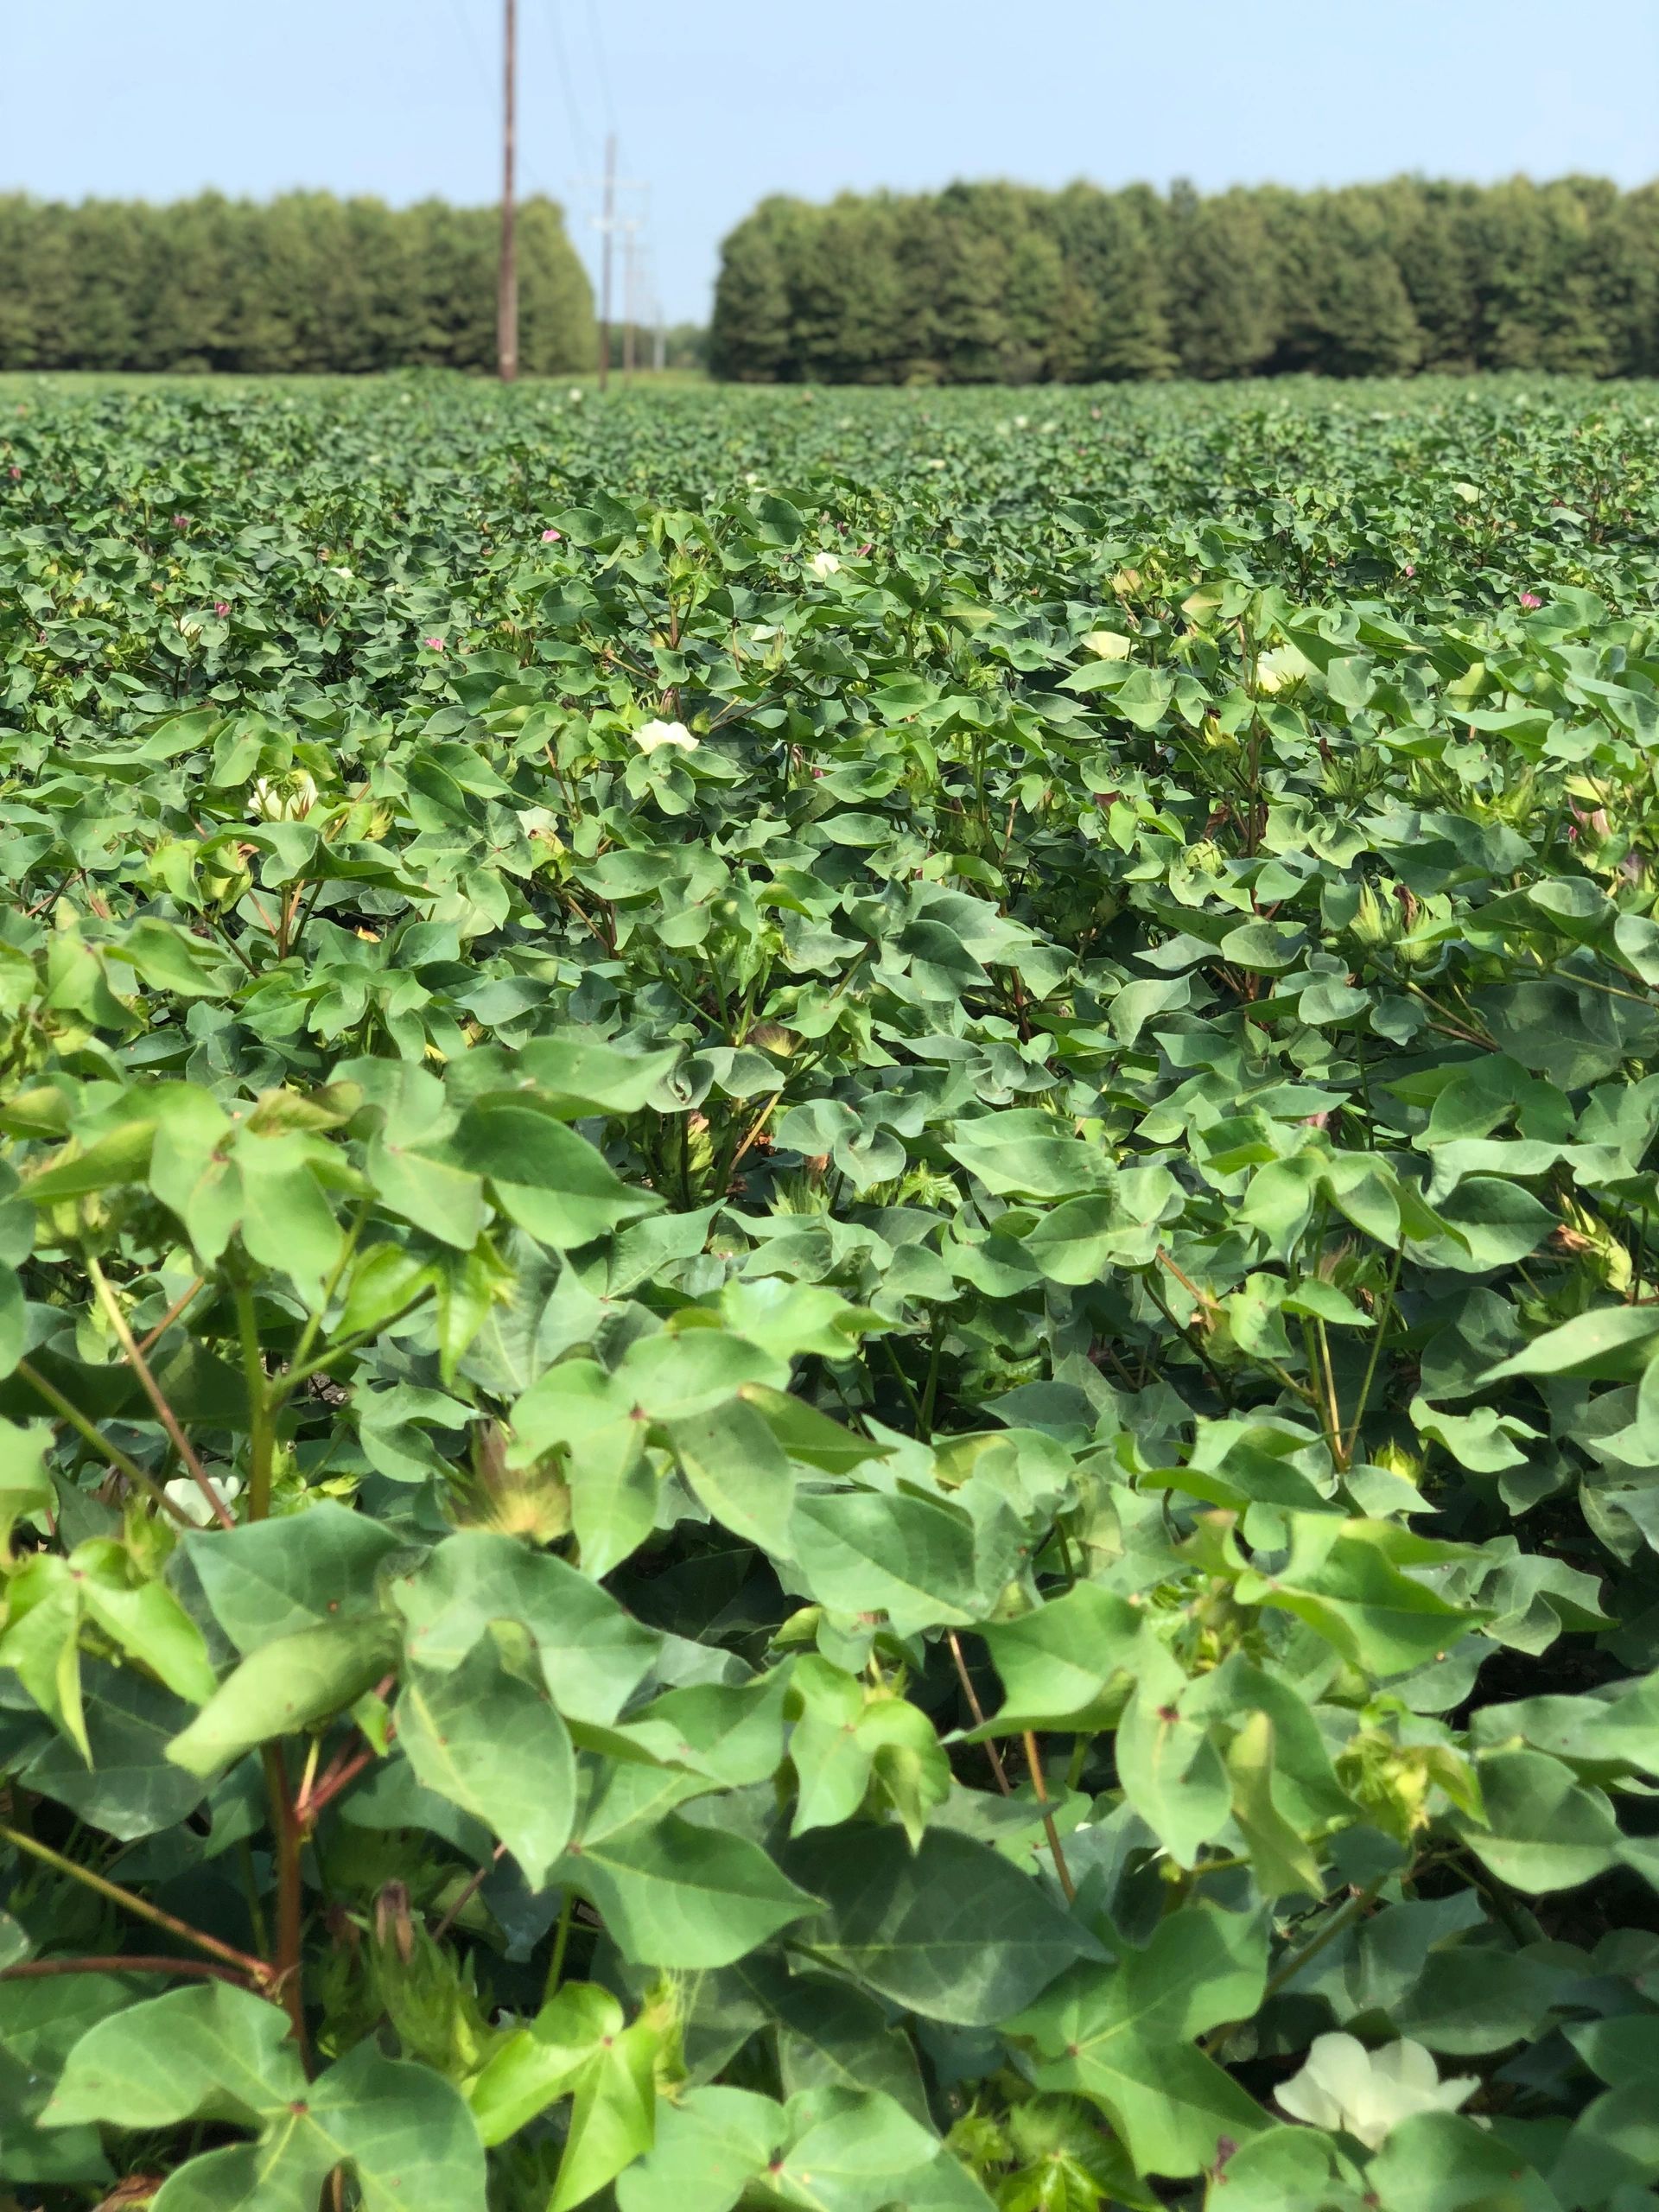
[(997, 283), (302, 282)]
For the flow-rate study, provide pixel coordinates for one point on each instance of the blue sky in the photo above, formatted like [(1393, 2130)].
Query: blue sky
[(718, 102)]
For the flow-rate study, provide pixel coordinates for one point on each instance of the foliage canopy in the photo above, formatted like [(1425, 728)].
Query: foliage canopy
[(827, 1300)]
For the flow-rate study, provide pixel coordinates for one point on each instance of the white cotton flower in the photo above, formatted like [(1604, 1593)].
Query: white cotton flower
[(1108, 645), (576, 394), (764, 632), (186, 1494), (823, 564), (283, 799), (342, 572), (753, 476), (1020, 421), (1279, 667), (654, 735), (1366, 2093)]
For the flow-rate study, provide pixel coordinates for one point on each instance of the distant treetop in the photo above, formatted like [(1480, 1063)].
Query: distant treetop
[(997, 283)]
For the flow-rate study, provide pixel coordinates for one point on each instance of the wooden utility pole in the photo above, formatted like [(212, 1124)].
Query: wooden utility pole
[(607, 225), (506, 299)]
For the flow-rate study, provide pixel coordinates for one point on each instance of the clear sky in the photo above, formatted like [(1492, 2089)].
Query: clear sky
[(718, 102)]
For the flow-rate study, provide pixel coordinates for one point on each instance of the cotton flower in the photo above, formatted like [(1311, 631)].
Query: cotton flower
[(1530, 599), (221, 608), (823, 564), (1343, 2085), (576, 394), (1020, 422), (433, 645), (1108, 645), (654, 735), (283, 799), (549, 537), (186, 1494)]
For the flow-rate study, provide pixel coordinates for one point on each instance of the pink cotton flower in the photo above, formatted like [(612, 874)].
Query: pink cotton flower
[(862, 551), (1410, 569), (433, 645), (181, 522), (15, 470), (221, 608), (549, 537), (1530, 599)]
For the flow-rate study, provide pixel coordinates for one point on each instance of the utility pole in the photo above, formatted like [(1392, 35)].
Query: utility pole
[(607, 225), (506, 299), (608, 222)]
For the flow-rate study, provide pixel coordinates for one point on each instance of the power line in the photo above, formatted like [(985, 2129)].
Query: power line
[(599, 66), (578, 128)]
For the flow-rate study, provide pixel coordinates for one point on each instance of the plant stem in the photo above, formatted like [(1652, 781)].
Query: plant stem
[(1287, 1969), (561, 1940), (285, 1969), (1049, 1828), (255, 1968), (260, 1440), (978, 1712), (100, 1443), (165, 1413), (126, 1962), (1385, 1316)]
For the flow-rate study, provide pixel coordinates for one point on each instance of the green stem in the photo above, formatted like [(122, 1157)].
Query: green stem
[(262, 1439), (131, 1902), (100, 1443), (561, 1942)]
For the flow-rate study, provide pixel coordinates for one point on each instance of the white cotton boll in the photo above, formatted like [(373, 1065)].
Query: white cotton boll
[(185, 1493), (654, 735), (283, 799), (1366, 2092)]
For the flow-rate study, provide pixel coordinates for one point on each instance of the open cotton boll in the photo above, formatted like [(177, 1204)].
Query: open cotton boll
[(283, 799), (654, 735), (1367, 2093), (185, 1493)]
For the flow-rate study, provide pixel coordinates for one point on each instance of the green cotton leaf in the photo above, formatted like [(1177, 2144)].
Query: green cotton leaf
[(142, 1617), (1123, 2036), (738, 1471), (288, 1223), (911, 1558), (592, 1655), (1067, 1664), (1542, 1829), (1484, 1441), (548, 1179), (732, 1733), (673, 1893), (126, 1785), (1444, 2161), (1280, 1859), (709, 2146), (855, 2150), (613, 2117), (542, 2060), (953, 1931), (490, 1742), (39, 1642), (25, 1486), (1026, 1154), (1611, 1345), (1347, 1580), (577, 1075), (1171, 1771), (268, 1579), (215, 2052), (291, 1683)]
